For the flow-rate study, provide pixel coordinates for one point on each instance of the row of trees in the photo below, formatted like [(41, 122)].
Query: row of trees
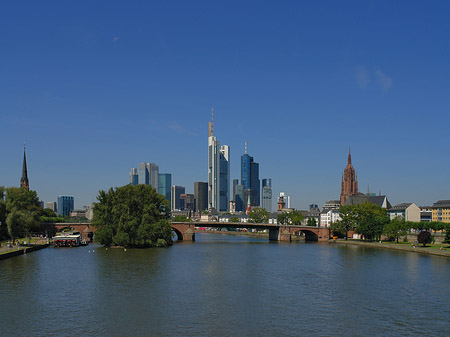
[(293, 217), (132, 216), (372, 222)]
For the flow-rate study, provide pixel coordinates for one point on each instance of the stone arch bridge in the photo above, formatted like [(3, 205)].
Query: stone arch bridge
[(186, 230)]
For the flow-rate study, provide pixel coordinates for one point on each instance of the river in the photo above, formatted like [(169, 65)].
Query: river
[(224, 285)]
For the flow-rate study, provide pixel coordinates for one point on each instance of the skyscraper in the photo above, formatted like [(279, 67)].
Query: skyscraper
[(201, 196), (250, 178), (177, 191), (267, 194), (65, 204), (147, 174), (218, 171), (164, 185), (134, 176)]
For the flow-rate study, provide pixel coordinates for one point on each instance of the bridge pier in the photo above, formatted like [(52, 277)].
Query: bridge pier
[(184, 231)]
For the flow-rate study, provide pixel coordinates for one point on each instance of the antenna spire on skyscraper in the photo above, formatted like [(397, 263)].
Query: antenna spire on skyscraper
[(246, 146), (212, 119)]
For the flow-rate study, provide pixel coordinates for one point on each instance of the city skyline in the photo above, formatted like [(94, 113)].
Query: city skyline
[(300, 82)]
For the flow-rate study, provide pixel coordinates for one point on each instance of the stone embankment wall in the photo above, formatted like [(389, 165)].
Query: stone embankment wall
[(22, 251), (438, 237)]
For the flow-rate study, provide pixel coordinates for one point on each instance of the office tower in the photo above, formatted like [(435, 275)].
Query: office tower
[(250, 178), (177, 191), (239, 198), (51, 205), (143, 176), (153, 172), (134, 176), (24, 180), (201, 196), (148, 174), (164, 186), (218, 171), (65, 204), (267, 194), (224, 190), (235, 183), (187, 202)]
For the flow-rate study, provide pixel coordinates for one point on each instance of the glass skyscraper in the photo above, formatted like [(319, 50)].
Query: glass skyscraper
[(65, 204), (250, 179), (164, 185), (267, 194), (218, 173), (134, 176), (147, 174)]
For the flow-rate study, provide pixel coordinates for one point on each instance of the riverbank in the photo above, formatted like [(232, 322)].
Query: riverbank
[(12, 252), (395, 246)]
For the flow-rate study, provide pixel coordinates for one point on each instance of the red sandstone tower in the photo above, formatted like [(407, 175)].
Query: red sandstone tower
[(349, 182)]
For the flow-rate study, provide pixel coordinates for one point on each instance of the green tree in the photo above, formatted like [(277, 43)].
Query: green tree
[(132, 216), (371, 220), (293, 217), (395, 228), (447, 234), (22, 211), (311, 222), (3, 214), (258, 215), (180, 218), (349, 220), (234, 219)]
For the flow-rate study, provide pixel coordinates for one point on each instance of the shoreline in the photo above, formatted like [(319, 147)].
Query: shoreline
[(22, 251), (393, 246)]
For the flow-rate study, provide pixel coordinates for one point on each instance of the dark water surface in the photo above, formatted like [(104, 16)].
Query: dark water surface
[(225, 285)]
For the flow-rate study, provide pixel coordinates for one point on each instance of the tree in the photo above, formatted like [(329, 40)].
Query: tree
[(3, 214), (371, 220), (424, 237), (180, 218), (258, 215), (395, 228), (293, 217), (447, 234), (132, 216), (22, 211), (349, 220), (234, 219), (311, 222)]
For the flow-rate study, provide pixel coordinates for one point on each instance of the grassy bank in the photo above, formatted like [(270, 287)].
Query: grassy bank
[(431, 249)]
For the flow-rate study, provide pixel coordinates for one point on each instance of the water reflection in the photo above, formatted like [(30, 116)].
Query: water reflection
[(224, 285)]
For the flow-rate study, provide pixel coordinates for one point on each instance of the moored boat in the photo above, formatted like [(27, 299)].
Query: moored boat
[(67, 240)]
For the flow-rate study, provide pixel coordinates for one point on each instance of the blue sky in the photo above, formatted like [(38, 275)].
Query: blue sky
[(95, 87)]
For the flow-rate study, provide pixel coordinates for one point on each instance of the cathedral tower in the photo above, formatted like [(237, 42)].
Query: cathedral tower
[(349, 181)]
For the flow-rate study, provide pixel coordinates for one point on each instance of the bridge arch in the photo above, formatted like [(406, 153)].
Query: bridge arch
[(310, 235), (177, 233)]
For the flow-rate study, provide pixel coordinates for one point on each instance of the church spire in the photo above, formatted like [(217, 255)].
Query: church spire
[(349, 156), (24, 180)]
